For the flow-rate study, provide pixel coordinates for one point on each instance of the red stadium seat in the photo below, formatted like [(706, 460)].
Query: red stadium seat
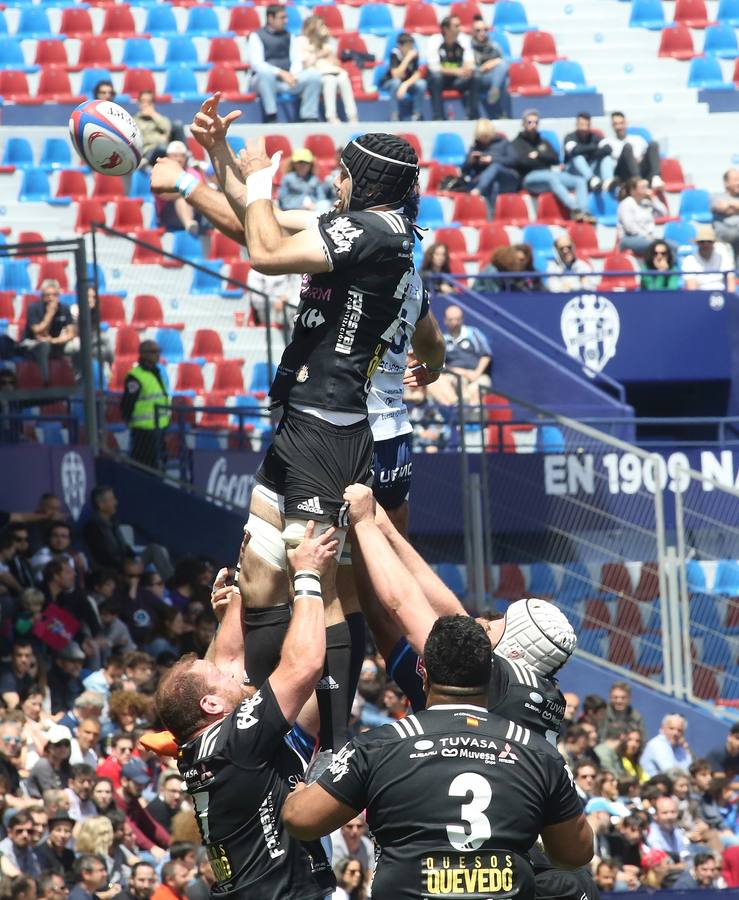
[(55, 269), (51, 52), (692, 13), (511, 209), (492, 236), (677, 42), (216, 420), (615, 579), (229, 378), (585, 238), (107, 187), (550, 211), (95, 54), (621, 651), (466, 11), (331, 15), (596, 614), (322, 147), (420, 18), (351, 40), (147, 312), (239, 271), (75, 22), (189, 378), (89, 212), (275, 142), (539, 46), (648, 587), (128, 216), (71, 184), (454, 240), (672, 175), (705, 683), (223, 247), (470, 210), (61, 373), (511, 585), (28, 375), (121, 365), (243, 20), (225, 51), (732, 613), (127, 342), (619, 262), (112, 310), (355, 76), (523, 79), (137, 80), (14, 87), (31, 237), (437, 173), (224, 79), (7, 306), (151, 256), (629, 618), (207, 343), (54, 86), (118, 21), (416, 144)]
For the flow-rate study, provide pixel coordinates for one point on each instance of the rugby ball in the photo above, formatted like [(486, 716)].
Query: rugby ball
[(106, 137)]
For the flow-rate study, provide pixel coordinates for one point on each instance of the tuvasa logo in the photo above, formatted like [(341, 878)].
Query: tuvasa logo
[(245, 717), (343, 233), (590, 327), (74, 482)]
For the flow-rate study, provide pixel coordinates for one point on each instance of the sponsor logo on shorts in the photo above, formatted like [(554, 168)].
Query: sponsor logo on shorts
[(311, 505), (327, 683)]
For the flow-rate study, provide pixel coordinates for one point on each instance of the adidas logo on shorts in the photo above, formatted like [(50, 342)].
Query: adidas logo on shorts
[(327, 683), (311, 506)]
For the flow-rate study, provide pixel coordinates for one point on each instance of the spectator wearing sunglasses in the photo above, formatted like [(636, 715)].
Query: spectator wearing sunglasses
[(18, 856), (658, 263), (569, 273), (492, 68)]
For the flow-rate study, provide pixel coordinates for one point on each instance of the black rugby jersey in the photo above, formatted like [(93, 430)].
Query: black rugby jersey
[(239, 773), (455, 796), (347, 317), (518, 692)]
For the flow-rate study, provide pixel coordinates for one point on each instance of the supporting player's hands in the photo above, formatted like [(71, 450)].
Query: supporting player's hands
[(164, 175), (314, 554), (223, 592), (416, 373), (208, 127), (254, 157), (361, 503)]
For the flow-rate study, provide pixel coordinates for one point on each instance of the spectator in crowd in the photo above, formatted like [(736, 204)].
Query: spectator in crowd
[(573, 744), (351, 842), (630, 155), (49, 327), (585, 773), (108, 678), (154, 127), (20, 565), (404, 80), (527, 281), (274, 59), (104, 538), (169, 800), (168, 636), (95, 835), (659, 265), (18, 857), (316, 50), (200, 887), (430, 431), (436, 261), (451, 66), (11, 763), (143, 882), (85, 743), (149, 833), (8, 585), (174, 213), (703, 873), (281, 292), (491, 67), (102, 796), (583, 153), (638, 210), (572, 704), (593, 710), (630, 751), (300, 187), (668, 749), (121, 748), (567, 272), (537, 164), (619, 709), (103, 90), (114, 635), (53, 769), (144, 406), (54, 854), (65, 684), (625, 844), (91, 875), (664, 832), (79, 791), (139, 671), (725, 208), (100, 345), (606, 786), (502, 261), (605, 875), (702, 797), (58, 545), (16, 679), (608, 749), (175, 876), (656, 869), (468, 356), (89, 704), (199, 639), (598, 812), (350, 880), (725, 759), (711, 268), (489, 168), (52, 886)]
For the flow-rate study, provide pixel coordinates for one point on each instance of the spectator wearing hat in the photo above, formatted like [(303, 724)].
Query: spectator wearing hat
[(404, 80), (53, 854), (144, 406), (65, 684), (150, 835), (173, 211), (52, 770), (276, 63), (598, 812), (18, 856), (656, 869), (300, 187), (710, 268)]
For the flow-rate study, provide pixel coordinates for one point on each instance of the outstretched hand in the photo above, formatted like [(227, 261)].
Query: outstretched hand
[(208, 127), (254, 157), (361, 502), (314, 554), (416, 373), (164, 175)]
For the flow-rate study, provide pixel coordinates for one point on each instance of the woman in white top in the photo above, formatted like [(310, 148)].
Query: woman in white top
[(637, 211), (316, 51)]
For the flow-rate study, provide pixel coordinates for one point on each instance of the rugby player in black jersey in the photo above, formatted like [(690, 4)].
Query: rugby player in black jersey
[(454, 795), (233, 755), (530, 643)]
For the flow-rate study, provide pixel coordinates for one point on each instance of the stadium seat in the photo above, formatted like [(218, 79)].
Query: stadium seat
[(28, 375), (229, 378), (726, 580), (170, 341), (106, 187), (7, 303), (705, 73), (207, 282), (294, 19), (551, 211), (275, 142), (189, 378), (467, 11), (596, 615), (731, 625), (568, 78), (94, 53), (351, 41), (619, 262), (692, 13), (695, 205), (149, 251), (454, 240), (55, 269), (35, 186), (224, 79), (716, 652), (160, 21), (604, 207), (90, 80), (511, 209), (181, 51), (202, 21), (55, 154), (128, 216), (470, 210), (137, 80), (12, 56), (61, 373), (243, 20), (127, 342), (30, 237), (493, 235), (223, 247), (672, 175), (14, 87), (437, 172), (225, 51), (187, 246), (728, 12), (647, 14), (696, 576), (15, 276), (207, 344), (18, 152), (75, 22), (585, 238), (420, 18), (260, 379), (523, 78), (322, 147), (54, 86), (89, 212), (375, 18), (138, 53), (510, 15), (704, 612), (648, 587), (33, 23), (147, 312), (615, 579), (649, 658), (112, 310), (621, 651), (539, 237), (730, 688), (705, 685), (550, 439), (181, 84), (430, 212), (542, 581), (511, 584), (255, 419), (118, 22), (577, 584), (331, 15), (720, 39), (449, 148), (628, 617), (591, 640), (539, 46)]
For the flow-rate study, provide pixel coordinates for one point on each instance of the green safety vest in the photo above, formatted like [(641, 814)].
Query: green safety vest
[(152, 394)]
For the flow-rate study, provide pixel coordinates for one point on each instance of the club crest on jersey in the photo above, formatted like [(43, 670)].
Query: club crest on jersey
[(302, 375), (245, 717), (340, 763), (343, 233)]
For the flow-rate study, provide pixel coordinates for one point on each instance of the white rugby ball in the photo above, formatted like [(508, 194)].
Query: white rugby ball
[(106, 137)]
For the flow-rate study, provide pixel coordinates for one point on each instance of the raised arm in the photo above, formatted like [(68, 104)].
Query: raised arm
[(226, 650)]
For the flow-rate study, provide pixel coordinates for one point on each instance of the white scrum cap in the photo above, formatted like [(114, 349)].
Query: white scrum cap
[(537, 633)]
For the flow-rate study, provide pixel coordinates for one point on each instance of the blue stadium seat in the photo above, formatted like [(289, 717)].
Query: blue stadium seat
[(568, 78), (294, 19), (647, 14), (376, 18), (12, 57), (138, 53), (207, 440), (181, 51), (182, 84), (3, 23), (452, 577), (501, 39), (553, 139), (510, 15), (542, 582), (90, 77), (726, 581), (577, 584), (204, 282), (716, 652), (539, 237), (35, 186), (260, 380), (236, 143), (431, 212), (704, 612), (604, 207), (721, 41), (15, 276), (51, 433), (695, 205), (641, 131), (705, 72), (449, 148), (18, 152), (33, 23), (187, 246), (160, 21), (55, 154), (592, 640), (730, 687), (728, 11), (170, 341), (680, 233), (649, 657), (652, 615), (141, 185), (96, 275), (696, 576), (254, 419), (549, 439), (203, 21), (98, 375)]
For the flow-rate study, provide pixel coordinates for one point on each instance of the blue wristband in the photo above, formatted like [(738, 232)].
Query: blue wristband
[(186, 184)]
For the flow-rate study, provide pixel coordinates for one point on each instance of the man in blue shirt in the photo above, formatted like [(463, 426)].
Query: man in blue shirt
[(669, 749), (468, 356)]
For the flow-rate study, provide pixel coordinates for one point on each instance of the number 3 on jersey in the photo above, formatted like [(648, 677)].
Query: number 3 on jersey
[(475, 829)]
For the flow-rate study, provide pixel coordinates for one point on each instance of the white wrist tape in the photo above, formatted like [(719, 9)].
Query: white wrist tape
[(307, 584), (186, 184), (259, 183)]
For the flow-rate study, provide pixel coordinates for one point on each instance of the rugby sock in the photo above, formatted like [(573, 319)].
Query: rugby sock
[(332, 691), (358, 634), (265, 632)]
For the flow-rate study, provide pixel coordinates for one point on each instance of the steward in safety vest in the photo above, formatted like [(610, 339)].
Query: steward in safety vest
[(144, 396)]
